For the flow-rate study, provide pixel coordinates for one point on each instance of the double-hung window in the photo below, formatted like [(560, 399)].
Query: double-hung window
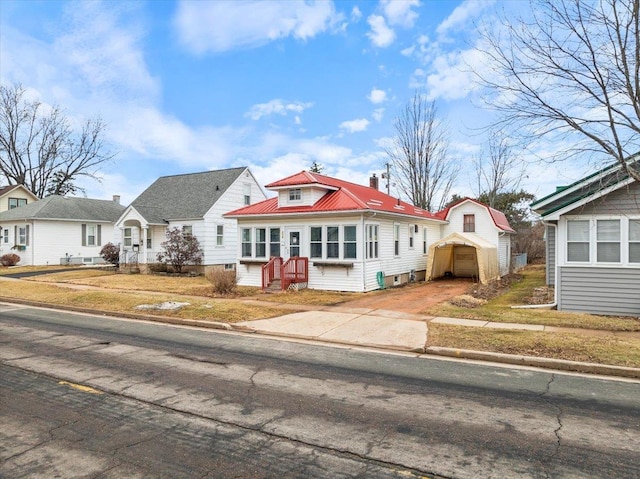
[(246, 193), (246, 242), (608, 241), (22, 235), (411, 233), (315, 250), (333, 242), (187, 230), (578, 240), (372, 241), (219, 235), (295, 194), (274, 242), (349, 242), (6, 235), (128, 237), (91, 235), (469, 224), (261, 242), (634, 241), (396, 240), (424, 240)]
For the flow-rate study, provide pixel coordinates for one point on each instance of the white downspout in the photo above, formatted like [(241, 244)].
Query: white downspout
[(555, 281)]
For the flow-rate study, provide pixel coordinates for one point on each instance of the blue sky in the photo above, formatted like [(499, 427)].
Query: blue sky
[(189, 86)]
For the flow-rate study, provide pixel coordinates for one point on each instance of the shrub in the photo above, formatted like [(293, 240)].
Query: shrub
[(10, 259), (111, 253), (223, 282), (180, 250)]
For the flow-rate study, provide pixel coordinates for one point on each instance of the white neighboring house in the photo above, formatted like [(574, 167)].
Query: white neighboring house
[(14, 196), (331, 234), (478, 219), (195, 203), (59, 230)]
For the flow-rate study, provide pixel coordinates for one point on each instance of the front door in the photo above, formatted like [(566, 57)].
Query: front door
[(293, 243)]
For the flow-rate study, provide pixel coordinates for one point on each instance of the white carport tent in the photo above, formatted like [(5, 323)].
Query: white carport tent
[(441, 256)]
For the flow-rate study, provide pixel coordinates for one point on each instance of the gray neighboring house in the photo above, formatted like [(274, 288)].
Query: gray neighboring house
[(59, 230), (195, 203), (593, 242)]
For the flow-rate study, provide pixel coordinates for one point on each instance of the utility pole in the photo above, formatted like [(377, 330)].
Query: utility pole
[(387, 176)]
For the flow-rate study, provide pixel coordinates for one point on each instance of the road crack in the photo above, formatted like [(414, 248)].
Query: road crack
[(557, 430)]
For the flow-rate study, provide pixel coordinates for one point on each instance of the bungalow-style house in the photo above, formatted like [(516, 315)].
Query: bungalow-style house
[(193, 202), (593, 243), (332, 234), (476, 241), (59, 230), (15, 195)]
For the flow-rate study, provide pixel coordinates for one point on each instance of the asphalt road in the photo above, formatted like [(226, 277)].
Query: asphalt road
[(91, 396)]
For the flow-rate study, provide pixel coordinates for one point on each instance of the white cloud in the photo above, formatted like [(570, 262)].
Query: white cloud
[(377, 96), (356, 14), (381, 35), (453, 76), (468, 9), (225, 25), (378, 114), (276, 107), (352, 126), (398, 12)]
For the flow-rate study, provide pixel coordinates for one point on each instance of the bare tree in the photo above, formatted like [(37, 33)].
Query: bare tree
[(497, 168), (419, 155), (40, 150), (570, 72)]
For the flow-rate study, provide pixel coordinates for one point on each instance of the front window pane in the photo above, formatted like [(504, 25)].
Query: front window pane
[(127, 237), (332, 242), (246, 242), (578, 240), (578, 230), (219, 235), (349, 242), (634, 241), (274, 242), (578, 251), (261, 242), (316, 242), (608, 238)]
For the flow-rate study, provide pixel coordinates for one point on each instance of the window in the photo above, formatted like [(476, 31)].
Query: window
[(149, 243), (187, 230), (469, 224), (246, 242), (219, 235), (634, 241), (274, 242), (295, 194), (6, 235), (261, 242), (411, 232), (22, 236), (372, 241), (425, 249), (333, 242), (349, 241), (608, 241), (16, 202), (396, 240), (229, 266), (315, 250), (578, 240), (128, 238), (246, 191), (91, 235)]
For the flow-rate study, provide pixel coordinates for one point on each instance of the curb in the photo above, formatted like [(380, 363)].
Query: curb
[(547, 363)]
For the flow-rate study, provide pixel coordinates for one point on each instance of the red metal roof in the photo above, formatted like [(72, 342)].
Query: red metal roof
[(498, 217), (341, 196)]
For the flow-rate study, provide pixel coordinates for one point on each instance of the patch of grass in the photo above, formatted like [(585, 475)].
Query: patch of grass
[(499, 309), (313, 297), (604, 349), (24, 269), (125, 302)]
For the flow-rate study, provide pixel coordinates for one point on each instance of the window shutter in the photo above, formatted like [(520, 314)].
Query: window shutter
[(84, 234), (99, 233), (27, 236), (15, 234)]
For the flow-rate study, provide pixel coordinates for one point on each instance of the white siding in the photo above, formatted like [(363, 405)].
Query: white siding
[(504, 253), (308, 196), (18, 193), (485, 227), (230, 200), (49, 241)]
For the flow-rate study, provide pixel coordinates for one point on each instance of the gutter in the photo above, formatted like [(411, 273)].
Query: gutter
[(555, 287)]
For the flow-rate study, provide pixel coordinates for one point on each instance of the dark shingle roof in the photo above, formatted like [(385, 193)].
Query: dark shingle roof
[(184, 196), (65, 208)]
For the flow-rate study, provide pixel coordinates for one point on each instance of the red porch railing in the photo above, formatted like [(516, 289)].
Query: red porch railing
[(271, 271), (295, 271)]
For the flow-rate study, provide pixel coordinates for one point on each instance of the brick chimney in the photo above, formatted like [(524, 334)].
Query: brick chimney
[(373, 181), (116, 199)]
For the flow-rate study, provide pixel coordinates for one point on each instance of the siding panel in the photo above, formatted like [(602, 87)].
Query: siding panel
[(624, 201), (612, 291), (551, 255)]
